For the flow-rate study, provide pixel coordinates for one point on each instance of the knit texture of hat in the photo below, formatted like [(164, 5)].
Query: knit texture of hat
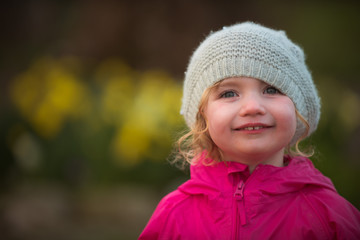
[(252, 50)]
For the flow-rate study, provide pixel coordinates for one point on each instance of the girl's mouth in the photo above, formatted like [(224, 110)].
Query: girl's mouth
[(252, 127)]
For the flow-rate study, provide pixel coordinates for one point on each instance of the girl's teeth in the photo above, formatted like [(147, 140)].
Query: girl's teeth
[(252, 128)]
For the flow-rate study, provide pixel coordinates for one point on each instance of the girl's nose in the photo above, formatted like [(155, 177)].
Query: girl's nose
[(251, 105)]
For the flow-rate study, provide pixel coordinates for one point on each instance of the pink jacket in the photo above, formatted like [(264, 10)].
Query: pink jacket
[(224, 201)]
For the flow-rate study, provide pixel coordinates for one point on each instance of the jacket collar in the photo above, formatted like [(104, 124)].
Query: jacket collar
[(222, 177)]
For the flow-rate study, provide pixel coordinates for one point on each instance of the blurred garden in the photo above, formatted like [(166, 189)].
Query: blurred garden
[(90, 100)]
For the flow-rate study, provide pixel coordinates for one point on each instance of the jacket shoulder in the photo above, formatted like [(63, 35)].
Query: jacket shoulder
[(162, 224), (339, 217)]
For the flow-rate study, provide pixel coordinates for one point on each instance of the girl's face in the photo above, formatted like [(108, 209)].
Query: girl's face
[(250, 121)]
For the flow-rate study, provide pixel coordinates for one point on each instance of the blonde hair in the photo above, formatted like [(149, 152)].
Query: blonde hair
[(191, 144)]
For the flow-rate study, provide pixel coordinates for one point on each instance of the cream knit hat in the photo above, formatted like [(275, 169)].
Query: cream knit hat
[(252, 50)]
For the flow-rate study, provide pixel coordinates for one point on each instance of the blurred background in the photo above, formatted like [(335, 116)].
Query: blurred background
[(90, 100)]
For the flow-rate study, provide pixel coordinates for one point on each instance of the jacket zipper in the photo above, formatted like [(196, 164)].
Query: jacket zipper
[(240, 204), (239, 196), (239, 208)]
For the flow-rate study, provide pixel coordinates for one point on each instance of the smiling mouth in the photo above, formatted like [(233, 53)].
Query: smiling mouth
[(252, 128)]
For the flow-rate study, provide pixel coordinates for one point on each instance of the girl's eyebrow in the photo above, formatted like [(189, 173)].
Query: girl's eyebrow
[(227, 84), (236, 83)]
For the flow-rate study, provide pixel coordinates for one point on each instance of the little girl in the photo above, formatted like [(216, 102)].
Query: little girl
[(249, 97)]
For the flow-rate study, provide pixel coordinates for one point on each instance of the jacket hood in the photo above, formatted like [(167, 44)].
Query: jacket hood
[(224, 176)]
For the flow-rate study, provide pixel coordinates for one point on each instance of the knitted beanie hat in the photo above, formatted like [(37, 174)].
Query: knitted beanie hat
[(252, 50)]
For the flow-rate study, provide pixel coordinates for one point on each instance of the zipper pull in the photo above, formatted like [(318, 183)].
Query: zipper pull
[(239, 192), (239, 196)]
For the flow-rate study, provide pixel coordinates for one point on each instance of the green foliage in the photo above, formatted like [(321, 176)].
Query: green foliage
[(77, 130)]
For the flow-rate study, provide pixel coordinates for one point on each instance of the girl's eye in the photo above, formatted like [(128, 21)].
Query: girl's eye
[(228, 94), (271, 90)]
